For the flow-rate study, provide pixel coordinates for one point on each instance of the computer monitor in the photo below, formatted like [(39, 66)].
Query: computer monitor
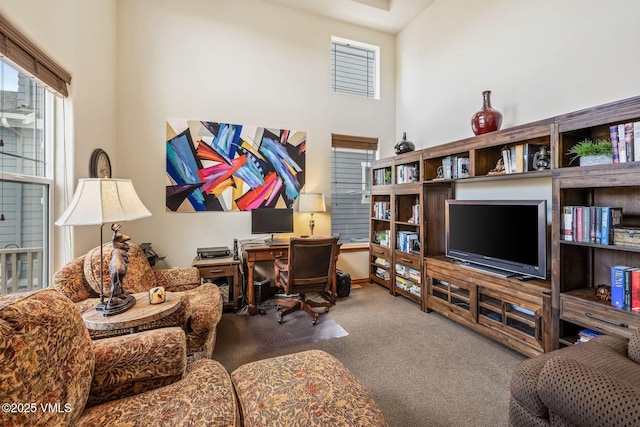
[(271, 221)]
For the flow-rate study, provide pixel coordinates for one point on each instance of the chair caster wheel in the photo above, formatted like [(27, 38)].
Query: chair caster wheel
[(280, 319), (326, 310), (314, 321)]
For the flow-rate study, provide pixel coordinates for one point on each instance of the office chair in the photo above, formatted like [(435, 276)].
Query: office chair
[(311, 267)]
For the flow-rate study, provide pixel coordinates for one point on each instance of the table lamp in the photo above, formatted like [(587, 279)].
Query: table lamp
[(311, 202), (98, 201)]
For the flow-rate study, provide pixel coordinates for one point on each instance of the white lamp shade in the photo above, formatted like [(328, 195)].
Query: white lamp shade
[(103, 200), (311, 202)]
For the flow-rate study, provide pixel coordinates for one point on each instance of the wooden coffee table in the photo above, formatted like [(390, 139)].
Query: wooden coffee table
[(140, 314)]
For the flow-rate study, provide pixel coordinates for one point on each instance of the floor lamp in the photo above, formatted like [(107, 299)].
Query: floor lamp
[(98, 201), (311, 202)]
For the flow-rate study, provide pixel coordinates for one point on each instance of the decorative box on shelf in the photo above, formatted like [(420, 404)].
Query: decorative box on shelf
[(626, 236)]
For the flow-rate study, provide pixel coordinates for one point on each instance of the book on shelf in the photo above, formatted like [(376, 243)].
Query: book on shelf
[(610, 218), (622, 146), (635, 289), (587, 334), (414, 274), (615, 143), (567, 221), (382, 273), (628, 141), (636, 141), (618, 277)]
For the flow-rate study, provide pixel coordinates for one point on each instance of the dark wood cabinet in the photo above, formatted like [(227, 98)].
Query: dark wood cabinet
[(529, 316)]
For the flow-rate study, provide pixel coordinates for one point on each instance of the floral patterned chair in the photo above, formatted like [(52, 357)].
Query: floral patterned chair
[(52, 373), (199, 313)]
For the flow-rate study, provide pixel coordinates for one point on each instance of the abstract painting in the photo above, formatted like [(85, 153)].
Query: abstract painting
[(214, 166)]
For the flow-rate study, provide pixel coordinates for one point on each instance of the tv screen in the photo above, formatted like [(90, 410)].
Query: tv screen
[(508, 235), (271, 221)]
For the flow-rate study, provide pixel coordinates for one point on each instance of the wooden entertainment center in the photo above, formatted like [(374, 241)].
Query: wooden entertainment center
[(530, 316)]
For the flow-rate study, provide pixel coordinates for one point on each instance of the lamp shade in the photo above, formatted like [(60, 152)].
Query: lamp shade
[(311, 202), (103, 200)]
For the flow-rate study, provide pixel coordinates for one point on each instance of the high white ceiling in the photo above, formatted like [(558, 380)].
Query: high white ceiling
[(389, 16)]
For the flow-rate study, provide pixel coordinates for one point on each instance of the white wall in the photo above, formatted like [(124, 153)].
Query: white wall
[(539, 59), (249, 62), (80, 36)]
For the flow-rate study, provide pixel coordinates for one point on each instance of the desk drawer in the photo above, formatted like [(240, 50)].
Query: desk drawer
[(217, 271), (266, 255)]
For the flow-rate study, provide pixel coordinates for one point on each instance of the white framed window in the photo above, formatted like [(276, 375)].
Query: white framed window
[(351, 159), (355, 68)]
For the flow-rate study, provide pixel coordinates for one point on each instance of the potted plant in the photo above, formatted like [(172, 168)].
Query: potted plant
[(592, 153)]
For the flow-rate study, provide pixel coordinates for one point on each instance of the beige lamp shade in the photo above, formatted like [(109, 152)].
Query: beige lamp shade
[(311, 202), (103, 200)]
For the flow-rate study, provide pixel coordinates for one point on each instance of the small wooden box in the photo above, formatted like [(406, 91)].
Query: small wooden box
[(626, 236)]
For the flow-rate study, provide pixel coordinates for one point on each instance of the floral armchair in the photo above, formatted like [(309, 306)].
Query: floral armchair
[(52, 373), (199, 313)]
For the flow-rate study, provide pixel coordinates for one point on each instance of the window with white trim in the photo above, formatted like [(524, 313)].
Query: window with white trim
[(355, 68), (351, 159)]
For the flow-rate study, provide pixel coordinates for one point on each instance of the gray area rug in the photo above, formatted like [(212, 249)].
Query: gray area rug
[(420, 368)]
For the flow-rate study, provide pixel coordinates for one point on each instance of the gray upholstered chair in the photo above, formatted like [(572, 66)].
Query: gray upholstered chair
[(596, 383), (311, 267)]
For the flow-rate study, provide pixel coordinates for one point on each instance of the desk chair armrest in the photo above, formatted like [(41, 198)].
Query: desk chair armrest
[(281, 265), (135, 363)]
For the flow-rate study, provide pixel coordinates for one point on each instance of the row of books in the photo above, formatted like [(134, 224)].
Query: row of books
[(408, 286), (454, 167), (382, 273), (381, 176), (407, 173), (625, 142), (381, 262), (383, 238), (407, 241), (625, 287), (415, 214), (590, 224), (519, 158), (408, 272), (585, 335), (382, 210)]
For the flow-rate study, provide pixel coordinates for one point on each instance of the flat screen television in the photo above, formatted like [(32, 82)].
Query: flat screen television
[(501, 236), (271, 221)]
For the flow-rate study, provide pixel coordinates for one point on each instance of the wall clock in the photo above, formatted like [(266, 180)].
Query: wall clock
[(99, 165)]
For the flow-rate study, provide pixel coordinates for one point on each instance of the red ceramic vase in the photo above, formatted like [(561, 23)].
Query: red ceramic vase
[(487, 119)]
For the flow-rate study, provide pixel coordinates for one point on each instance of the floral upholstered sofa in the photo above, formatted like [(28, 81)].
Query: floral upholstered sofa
[(53, 374), (200, 310)]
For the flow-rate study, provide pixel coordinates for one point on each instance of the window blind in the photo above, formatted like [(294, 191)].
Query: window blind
[(351, 159), (353, 70), (23, 53)]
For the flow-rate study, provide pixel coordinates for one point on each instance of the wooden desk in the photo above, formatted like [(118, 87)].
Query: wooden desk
[(211, 268), (255, 252), (140, 314)]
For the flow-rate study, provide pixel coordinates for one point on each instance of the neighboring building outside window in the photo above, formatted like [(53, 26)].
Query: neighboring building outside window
[(351, 159), (25, 181)]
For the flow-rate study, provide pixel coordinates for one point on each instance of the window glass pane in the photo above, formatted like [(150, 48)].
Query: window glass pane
[(24, 199), (23, 235), (350, 194), (21, 123)]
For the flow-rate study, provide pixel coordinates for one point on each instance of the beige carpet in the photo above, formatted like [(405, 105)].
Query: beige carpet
[(421, 368)]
